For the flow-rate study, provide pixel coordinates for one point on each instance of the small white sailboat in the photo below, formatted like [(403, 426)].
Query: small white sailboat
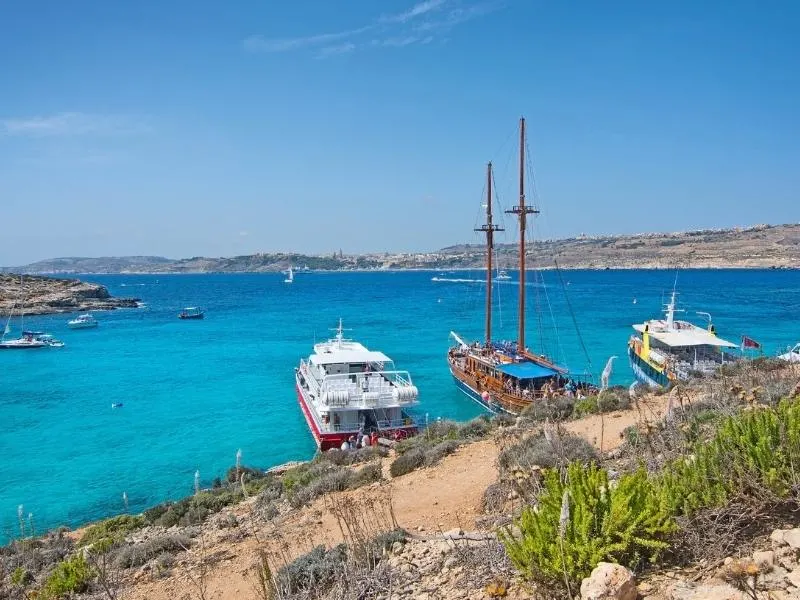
[(289, 276), (29, 339), (86, 321)]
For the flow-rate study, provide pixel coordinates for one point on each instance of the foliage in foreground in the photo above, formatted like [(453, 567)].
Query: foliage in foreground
[(755, 453), (580, 519), (114, 529), (583, 521), (70, 576)]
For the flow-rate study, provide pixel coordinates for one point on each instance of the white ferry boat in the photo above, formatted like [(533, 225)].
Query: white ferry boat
[(669, 350), (346, 390)]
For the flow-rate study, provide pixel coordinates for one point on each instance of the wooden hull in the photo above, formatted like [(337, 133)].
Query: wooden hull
[(499, 399)]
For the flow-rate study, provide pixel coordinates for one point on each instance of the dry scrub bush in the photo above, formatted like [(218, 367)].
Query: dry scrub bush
[(135, 555), (350, 571)]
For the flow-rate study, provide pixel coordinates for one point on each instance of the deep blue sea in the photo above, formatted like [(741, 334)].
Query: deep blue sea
[(196, 391)]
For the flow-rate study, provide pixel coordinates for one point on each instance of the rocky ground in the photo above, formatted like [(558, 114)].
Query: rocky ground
[(46, 295)]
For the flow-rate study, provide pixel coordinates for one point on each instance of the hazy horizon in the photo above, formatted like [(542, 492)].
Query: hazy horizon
[(374, 252), (189, 129)]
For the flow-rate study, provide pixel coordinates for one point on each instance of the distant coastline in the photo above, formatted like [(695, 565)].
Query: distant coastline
[(757, 247)]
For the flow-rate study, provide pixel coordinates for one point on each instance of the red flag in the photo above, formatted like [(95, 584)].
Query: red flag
[(750, 343)]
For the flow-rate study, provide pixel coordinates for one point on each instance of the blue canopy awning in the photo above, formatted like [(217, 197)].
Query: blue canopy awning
[(526, 370)]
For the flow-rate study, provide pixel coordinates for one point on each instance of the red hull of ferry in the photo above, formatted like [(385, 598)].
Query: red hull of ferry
[(326, 441)]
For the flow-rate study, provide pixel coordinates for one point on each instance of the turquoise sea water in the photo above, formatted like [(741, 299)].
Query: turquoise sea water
[(196, 391)]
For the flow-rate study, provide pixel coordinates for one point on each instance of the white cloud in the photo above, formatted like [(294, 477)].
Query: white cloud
[(72, 124), (415, 26), (418, 10), (345, 48), (258, 43)]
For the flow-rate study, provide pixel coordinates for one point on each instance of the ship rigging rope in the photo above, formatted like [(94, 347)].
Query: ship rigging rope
[(572, 314)]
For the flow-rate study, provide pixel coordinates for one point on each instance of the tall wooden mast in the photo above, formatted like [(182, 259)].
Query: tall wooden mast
[(489, 228), (522, 211)]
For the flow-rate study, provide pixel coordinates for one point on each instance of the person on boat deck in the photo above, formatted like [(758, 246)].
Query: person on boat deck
[(373, 438)]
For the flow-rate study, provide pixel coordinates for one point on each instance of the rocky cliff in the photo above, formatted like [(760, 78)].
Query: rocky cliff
[(36, 295)]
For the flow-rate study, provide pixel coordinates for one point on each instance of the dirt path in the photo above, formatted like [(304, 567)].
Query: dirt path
[(444, 497)]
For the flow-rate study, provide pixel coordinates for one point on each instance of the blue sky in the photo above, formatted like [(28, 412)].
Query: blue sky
[(209, 128)]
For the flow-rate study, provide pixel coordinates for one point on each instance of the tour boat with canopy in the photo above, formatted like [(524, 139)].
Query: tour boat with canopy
[(664, 351), (347, 392)]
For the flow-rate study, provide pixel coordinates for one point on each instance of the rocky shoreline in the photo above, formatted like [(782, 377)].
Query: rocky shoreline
[(48, 295)]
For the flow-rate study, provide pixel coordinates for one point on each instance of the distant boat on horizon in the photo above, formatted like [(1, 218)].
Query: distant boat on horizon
[(289, 276), (85, 321)]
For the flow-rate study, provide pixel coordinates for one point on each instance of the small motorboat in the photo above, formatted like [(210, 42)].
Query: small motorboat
[(191, 312), (86, 321), (792, 356), (503, 276)]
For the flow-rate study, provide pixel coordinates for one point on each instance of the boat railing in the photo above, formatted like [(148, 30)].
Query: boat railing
[(368, 389), (407, 421)]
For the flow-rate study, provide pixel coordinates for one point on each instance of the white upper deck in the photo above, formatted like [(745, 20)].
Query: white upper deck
[(346, 374), (341, 351), (680, 334)]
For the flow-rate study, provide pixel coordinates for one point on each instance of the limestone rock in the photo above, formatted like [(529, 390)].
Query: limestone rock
[(792, 538), (709, 591), (609, 581), (794, 577), (764, 559)]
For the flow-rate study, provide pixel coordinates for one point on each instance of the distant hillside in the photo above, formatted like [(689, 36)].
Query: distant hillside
[(764, 246), (103, 264)]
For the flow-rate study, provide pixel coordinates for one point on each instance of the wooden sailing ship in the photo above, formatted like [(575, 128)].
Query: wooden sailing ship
[(506, 376)]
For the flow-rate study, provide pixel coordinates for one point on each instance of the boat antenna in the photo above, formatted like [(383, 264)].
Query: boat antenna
[(522, 211), (489, 228)]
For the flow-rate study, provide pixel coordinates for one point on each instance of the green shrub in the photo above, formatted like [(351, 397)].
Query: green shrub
[(317, 570), (503, 420), (537, 450), (608, 400), (193, 510), (335, 479), (754, 453), (628, 524), (440, 450), (114, 529), (135, 555), (70, 576), (477, 428), (351, 457), (365, 475), (556, 409), (407, 462)]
